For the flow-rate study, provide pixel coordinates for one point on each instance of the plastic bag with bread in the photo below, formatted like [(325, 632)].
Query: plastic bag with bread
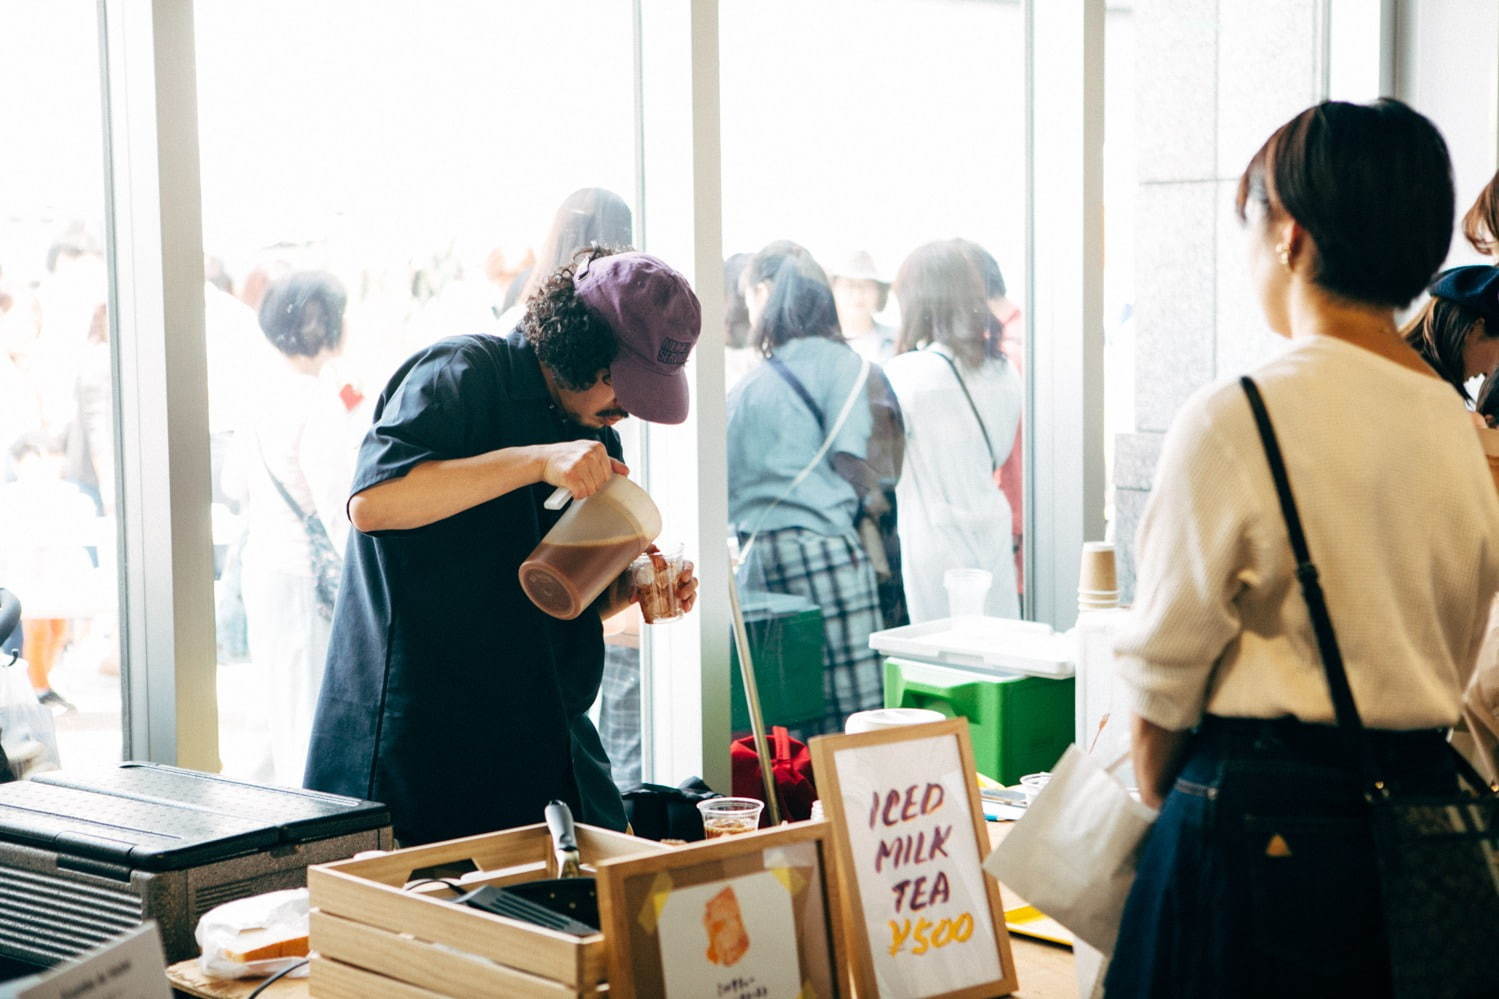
[(254, 937)]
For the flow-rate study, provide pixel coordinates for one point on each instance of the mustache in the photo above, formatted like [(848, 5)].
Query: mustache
[(607, 414)]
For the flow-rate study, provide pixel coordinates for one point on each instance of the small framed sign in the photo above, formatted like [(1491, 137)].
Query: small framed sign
[(922, 917), (740, 917)]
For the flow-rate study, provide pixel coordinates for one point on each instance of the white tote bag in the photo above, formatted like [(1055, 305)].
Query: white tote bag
[(1073, 854)]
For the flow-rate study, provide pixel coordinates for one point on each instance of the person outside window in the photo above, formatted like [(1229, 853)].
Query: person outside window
[(861, 293), (962, 400), (296, 456), (793, 504), (449, 695)]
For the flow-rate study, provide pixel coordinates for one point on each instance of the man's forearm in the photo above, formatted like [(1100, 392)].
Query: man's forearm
[(435, 490), (1156, 753)]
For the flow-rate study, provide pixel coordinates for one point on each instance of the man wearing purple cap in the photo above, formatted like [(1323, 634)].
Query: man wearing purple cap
[(447, 694)]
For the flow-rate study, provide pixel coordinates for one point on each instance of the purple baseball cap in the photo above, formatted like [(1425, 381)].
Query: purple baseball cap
[(657, 319)]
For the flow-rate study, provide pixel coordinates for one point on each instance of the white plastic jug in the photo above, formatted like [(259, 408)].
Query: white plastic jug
[(591, 546)]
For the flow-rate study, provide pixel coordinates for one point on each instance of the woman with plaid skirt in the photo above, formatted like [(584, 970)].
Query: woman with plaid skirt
[(798, 438)]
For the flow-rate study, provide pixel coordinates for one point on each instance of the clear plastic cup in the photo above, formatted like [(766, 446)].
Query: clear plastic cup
[(1032, 784), (967, 591), (656, 575), (729, 816)]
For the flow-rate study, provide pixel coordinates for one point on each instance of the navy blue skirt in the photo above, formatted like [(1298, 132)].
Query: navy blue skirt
[(1258, 878)]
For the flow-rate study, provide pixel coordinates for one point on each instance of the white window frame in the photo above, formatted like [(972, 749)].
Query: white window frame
[(1065, 480), (154, 230)]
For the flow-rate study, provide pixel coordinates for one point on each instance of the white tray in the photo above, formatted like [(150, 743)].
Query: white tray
[(986, 644)]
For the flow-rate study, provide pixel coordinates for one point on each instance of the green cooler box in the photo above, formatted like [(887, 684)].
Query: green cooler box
[(785, 636), (1019, 724)]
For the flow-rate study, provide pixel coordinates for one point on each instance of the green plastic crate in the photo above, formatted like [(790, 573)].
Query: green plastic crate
[(1019, 724), (785, 636)]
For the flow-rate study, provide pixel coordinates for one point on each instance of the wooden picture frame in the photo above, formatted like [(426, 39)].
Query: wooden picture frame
[(634, 893), (857, 871)]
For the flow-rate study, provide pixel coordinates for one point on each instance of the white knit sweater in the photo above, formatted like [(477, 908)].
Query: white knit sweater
[(1402, 520)]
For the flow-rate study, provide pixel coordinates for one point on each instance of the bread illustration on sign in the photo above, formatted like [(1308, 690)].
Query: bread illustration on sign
[(728, 940)]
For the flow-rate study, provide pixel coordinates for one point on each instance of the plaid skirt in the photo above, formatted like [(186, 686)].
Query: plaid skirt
[(619, 714), (835, 574)]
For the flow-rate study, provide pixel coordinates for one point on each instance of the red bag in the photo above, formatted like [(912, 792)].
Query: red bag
[(790, 766)]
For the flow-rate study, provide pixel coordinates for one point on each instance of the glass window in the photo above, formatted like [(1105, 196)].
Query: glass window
[(874, 227), (58, 541), (384, 180)]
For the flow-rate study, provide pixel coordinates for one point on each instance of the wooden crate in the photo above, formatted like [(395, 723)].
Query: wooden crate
[(372, 938)]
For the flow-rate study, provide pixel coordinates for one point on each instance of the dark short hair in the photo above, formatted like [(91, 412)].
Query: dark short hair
[(569, 338), (1439, 333), (1371, 184), (302, 314), (801, 300)]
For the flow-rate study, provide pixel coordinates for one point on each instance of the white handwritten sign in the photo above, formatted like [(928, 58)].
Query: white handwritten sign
[(907, 821), (732, 939), (131, 967)]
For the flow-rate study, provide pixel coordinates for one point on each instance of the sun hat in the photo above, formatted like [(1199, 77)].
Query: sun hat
[(859, 266), (657, 319)]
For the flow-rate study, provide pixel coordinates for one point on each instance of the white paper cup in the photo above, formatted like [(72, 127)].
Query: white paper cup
[(883, 718), (967, 591)]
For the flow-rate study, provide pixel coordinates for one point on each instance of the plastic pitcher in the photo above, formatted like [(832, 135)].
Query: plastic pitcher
[(591, 546)]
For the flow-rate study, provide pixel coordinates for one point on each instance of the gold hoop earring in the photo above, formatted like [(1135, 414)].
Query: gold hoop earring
[(1284, 252)]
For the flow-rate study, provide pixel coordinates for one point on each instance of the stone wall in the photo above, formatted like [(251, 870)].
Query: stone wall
[(1213, 79)]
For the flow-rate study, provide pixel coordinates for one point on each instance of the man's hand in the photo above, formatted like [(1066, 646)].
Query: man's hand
[(687, 587), (582, 467)]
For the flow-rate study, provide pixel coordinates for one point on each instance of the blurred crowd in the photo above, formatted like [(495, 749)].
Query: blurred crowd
[(874, 433)]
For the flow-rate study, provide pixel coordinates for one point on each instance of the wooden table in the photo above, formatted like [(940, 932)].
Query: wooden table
[(1046, 969), (187, 980)]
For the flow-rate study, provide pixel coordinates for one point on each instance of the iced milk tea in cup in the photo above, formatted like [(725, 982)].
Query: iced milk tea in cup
[(729, 816)]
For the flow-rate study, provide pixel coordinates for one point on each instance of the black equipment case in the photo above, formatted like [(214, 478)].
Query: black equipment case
[(88, 854)]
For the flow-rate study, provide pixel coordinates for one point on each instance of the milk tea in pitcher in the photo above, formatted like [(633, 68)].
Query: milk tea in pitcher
[(591, 546)]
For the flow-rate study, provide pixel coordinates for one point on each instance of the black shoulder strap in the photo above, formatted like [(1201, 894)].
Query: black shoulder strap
[(1311, 589), (993, 458), (296, 509), (801, 390), (310, 520)]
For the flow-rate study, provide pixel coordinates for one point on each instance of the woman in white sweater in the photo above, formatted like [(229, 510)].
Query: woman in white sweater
[(1258, 878)]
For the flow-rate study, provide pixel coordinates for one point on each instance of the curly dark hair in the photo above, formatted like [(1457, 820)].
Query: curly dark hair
[(573, 343)]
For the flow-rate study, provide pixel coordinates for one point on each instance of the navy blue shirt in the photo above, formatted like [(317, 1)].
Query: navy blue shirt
[(448, 695)]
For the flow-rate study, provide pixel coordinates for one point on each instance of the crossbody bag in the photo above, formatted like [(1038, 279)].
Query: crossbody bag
[(327, 564), (1436, 856)]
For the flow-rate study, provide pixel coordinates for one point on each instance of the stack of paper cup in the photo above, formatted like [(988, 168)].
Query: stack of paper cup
[(1097, 578)]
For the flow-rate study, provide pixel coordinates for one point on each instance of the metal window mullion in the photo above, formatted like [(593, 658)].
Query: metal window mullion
[(161, 386), (712, 411)]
